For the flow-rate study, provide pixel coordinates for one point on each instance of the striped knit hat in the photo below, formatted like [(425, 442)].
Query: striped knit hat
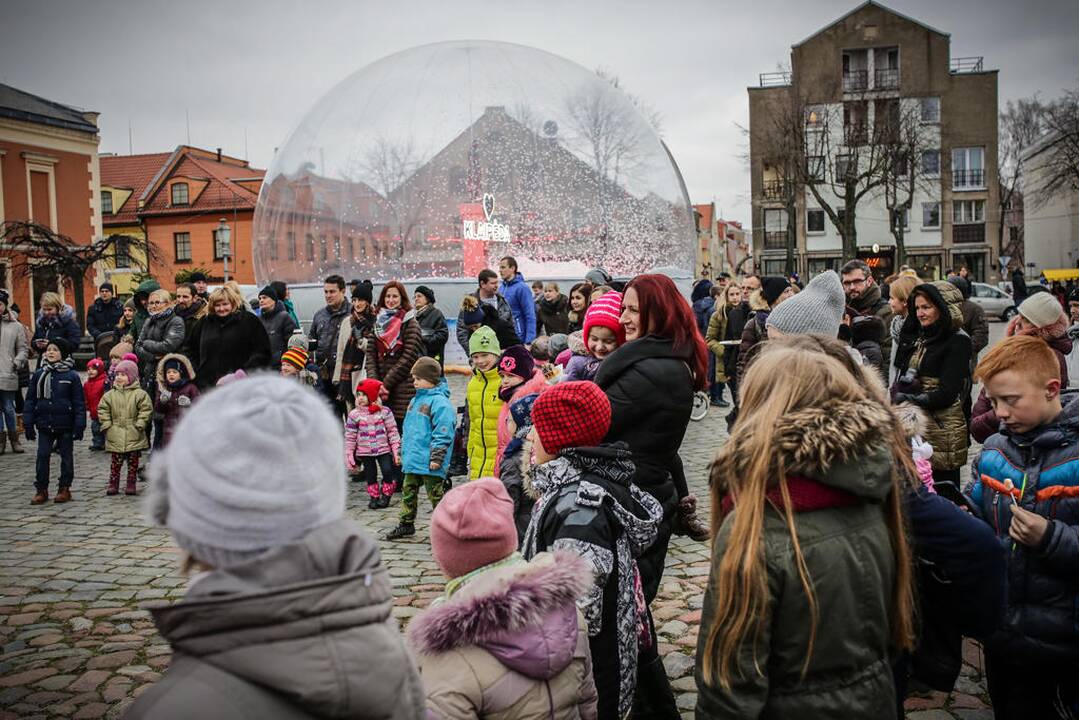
[(296, 357), (605, 313)]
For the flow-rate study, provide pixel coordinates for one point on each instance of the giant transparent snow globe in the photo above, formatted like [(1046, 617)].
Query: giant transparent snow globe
[(435, 162)]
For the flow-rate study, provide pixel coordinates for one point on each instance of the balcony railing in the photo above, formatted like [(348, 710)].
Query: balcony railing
[(855, 134), (968, 233), (775, 240), (965, 65), (886, 78), (968, 179), (855, 80), (775, 79), (773, 190)]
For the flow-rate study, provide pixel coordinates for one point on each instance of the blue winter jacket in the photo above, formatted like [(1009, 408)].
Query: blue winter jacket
[(523, 305), (428, 431), (1040, 620), (62, 325), (64, 411)]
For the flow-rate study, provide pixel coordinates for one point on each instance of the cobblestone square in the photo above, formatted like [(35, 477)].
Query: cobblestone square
[(74, 577)]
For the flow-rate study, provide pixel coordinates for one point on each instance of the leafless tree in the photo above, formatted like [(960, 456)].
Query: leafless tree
[(1060, 164), (388, 165), (1021, 124), (912, 165), (28, 246)]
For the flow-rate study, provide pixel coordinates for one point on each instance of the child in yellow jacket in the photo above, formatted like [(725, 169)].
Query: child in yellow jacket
[(483, 403)]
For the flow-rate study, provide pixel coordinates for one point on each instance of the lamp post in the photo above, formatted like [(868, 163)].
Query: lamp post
[(222, 236)]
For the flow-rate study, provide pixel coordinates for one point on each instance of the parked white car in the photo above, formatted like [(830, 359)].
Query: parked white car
[(995, 302)]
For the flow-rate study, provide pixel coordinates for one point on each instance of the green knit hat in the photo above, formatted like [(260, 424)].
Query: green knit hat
[(484, 340)]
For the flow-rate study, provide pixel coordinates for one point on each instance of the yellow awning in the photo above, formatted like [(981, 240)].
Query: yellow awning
[(1061, 274)]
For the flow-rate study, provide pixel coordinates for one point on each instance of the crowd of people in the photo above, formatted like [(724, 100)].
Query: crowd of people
[(851, 554)]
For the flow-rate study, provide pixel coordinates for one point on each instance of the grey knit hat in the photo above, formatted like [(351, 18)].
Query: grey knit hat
[(817, 310), (253, 465)]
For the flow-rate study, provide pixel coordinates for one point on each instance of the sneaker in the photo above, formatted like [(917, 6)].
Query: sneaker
[(401, 531), (63, 495), (40, 498)]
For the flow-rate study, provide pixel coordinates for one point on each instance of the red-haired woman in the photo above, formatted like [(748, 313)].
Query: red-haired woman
[(396, 341), (650, 382)]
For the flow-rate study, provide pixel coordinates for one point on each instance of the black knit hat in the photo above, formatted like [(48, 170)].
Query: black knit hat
[(197, 276), (269, 292), (772, 286), (427, 293), (62, 345), (106, 286), (362, 290), (4, 297)]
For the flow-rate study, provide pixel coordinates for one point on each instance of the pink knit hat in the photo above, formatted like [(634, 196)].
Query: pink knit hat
[(130, 369), (605, 313), (472, 527)]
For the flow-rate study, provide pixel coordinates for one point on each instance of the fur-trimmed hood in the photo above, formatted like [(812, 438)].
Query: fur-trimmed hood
[(183, 361), (524, 614), (841, 444), (911, 419), (757, 301)]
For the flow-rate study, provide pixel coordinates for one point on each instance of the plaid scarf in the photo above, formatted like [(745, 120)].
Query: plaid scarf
[(44, 382), (388, 330)]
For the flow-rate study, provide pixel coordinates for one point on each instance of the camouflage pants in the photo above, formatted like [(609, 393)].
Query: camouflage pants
[(410, 499)]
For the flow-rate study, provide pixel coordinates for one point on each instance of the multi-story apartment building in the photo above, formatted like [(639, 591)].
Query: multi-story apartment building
[(853, 85)]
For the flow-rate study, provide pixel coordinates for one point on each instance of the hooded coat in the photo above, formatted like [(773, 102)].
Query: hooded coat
[(523, 306), (535, 384), (171, 403), (14, 350), (124, 414), (1043, 585), (139, 298), (840, 447), (395, 370), (279, 327), (222, 345), (427, 433), (754, 331), (161, 335), (435, 332), (484, 410), (553, 315), (103, 316), (713, 337), (586, 503), (510, 643), (303, 631), (62, 325), (940, 358)]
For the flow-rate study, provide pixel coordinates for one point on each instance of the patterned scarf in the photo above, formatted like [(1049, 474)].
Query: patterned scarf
[(44, 382), (388, 329)]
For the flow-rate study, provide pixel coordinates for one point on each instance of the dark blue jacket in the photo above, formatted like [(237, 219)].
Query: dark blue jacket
[(103, 316), (1043, 582), (64, 411), (62, 325)]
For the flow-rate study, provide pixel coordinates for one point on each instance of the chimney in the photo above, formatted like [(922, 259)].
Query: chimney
[(219, 154)]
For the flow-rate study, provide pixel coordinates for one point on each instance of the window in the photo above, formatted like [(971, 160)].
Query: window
[(931, 110), (290, 247), (855, 70), (931, 215), (309, 241), (968, 168), (886, 68), (843, 167), (179, 193), (968, 212), (886, 119), (815, 266), (775, 267), (337, 246), (931, 163), (816, 117), (815, 167), (900, 219), (106, 203), (900, 165), (351, 248), (273, 246), (814, 221), (181, 243), (322, 248), (775, 229), (122, 249), (855, 122), (927, 266)]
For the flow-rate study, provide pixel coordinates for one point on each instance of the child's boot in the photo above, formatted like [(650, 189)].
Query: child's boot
[(687, 522), (376, 497), (130, 488), (388, 488), (402, 530), (114, 487)]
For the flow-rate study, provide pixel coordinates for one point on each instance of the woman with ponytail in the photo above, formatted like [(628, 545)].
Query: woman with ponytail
[(810, 593)]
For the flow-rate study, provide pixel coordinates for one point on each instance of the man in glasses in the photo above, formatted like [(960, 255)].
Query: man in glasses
[(864, 297)]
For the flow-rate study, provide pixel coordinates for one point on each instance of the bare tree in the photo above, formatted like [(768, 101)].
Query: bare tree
[(29, 246), (1021, 124), (389, 164), (912, 165), (1060, 164)]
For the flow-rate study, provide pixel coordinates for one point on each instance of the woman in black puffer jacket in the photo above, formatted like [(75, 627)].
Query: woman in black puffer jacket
[(650, 382), (228, 339)]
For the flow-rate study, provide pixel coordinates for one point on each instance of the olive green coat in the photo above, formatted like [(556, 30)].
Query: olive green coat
[(123, 414), (848, 554), (717, 328)]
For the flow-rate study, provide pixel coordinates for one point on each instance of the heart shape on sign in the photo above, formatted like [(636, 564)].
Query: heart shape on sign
[(488, 206)]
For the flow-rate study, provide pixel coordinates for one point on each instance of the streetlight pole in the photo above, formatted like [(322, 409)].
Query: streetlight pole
[(224, 234)]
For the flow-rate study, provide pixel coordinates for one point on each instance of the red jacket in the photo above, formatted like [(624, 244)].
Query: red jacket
[(94, 388)]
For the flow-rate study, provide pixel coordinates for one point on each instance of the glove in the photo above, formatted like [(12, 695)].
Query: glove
[(31, 434), (165, 396), (350, 462)]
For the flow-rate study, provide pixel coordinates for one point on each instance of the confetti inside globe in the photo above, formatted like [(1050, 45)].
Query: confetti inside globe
[(439, 160)]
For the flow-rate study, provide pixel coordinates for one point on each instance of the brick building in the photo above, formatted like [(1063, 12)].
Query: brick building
[(848, 78), (48, 174)]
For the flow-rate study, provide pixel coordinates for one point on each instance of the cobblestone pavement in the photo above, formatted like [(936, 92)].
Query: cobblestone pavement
[(73, 577)]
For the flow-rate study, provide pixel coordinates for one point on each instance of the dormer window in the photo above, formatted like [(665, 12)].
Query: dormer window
[(179, 193), (106, 203)]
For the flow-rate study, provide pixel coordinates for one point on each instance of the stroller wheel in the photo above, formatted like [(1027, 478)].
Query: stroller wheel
[(700, 406)]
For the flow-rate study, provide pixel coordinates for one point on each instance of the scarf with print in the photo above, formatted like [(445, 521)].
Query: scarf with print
[(388, 330), (44, 382)]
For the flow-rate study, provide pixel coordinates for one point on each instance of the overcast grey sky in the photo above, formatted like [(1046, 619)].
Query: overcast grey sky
[(255, 66)]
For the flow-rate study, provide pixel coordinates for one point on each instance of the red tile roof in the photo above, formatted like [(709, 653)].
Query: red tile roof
[(133, 172)]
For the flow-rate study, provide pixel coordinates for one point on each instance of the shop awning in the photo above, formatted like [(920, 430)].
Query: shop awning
[(1061, 274)]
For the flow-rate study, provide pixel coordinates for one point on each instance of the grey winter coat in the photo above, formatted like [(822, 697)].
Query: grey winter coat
[(279, 327), (14, 350), (304, 631), (161, 334)]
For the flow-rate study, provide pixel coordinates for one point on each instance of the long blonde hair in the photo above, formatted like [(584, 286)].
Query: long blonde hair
[(790, 374)]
